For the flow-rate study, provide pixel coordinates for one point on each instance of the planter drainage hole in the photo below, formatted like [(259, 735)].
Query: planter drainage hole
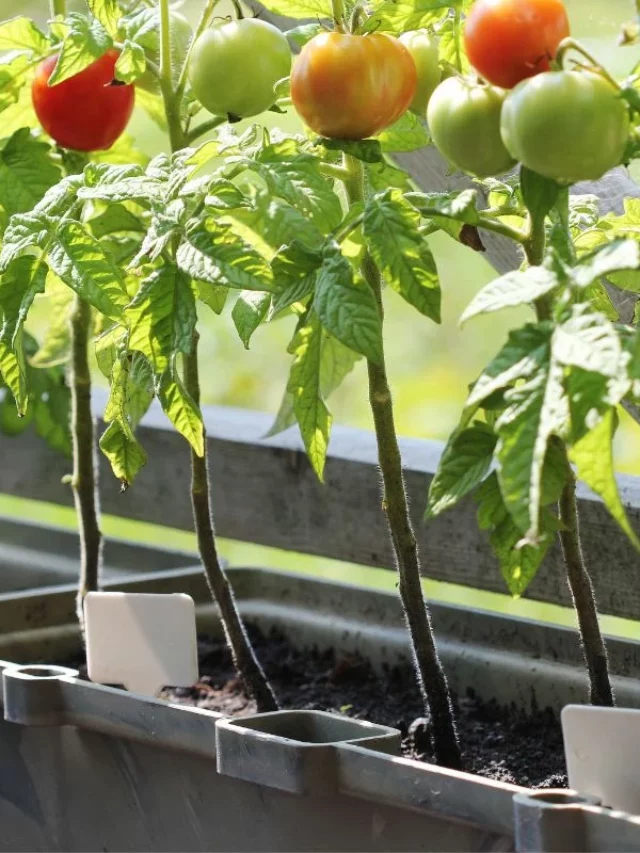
[(562, 798), (38, 671)]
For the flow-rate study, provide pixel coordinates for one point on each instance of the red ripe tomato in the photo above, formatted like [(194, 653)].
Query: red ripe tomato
[(87, 112), (509, 40), (352, 87)]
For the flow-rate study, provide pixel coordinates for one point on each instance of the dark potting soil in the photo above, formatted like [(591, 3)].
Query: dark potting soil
[(499, 743)]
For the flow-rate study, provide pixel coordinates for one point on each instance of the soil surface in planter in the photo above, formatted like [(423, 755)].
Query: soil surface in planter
[(499, 743)]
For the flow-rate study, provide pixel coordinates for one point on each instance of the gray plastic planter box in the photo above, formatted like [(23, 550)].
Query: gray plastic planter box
[(33, 555), (87, 767)]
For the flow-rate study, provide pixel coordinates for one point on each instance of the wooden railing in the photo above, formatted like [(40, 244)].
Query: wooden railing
[(265, 492)]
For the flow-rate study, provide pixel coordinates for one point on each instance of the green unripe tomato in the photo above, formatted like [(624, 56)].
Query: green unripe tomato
[(234, 67), (424, 50), (566, 125), (464, 120), (181, 35)]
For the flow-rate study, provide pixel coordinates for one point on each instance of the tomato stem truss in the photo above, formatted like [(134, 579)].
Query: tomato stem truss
[(572, 44)]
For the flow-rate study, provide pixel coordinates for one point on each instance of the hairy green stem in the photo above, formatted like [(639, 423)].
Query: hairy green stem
[(84, 478), (205, 127), (58, 7), (247, 665), (583, 596), (568, 44), (578, 578), (431, 677)]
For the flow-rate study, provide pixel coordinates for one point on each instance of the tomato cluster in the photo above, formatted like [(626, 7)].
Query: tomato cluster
[(566, 125)]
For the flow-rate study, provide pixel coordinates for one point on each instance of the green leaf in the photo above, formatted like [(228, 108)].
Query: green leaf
[(162, 317), (299, 36), (26, 172), (367, 150), (520, 287), (294, 273), (464, 464), (85, 41), (615, 256), (124, 452), (385, 175), (300, 8), (13, 68), (24, 232), (115, 219), (214, 253), (296, 179), (536, 409), (593, 457), (304, 385), (81, 262), (519, 561), (108, 12), (213, 295), (461, 206), (524, 354), (106, 182), (181, 410), (249, 311), (401, 253), (591, 342), (346, 308), (336, 362), (21, 33), (400, 16), (274, 222), (225, 195), (407, 134), (131, 63), (13, 372), (54, 349), (539, 194), (19, 284)]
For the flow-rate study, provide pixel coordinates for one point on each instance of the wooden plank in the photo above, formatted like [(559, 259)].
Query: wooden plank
[(265, 492)]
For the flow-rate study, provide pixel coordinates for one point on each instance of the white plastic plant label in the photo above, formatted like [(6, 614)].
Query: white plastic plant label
[(142, 641), (602, 749)]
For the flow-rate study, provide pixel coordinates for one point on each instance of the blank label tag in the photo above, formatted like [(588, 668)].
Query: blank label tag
[(602, 747), (141, 640)]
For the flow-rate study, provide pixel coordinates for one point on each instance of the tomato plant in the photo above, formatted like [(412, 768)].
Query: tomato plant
[(86, 112), (464, 120), (148, 37), (320, 233), (347, 86), (509, 40), (235, 66), (424, 50), (567, 125)]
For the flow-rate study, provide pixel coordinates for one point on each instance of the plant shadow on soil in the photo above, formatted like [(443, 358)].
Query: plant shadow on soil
[(504, 744)]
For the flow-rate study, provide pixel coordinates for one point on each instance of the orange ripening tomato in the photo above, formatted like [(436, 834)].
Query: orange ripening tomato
[(86, 112), (509, 40), (352, 87)]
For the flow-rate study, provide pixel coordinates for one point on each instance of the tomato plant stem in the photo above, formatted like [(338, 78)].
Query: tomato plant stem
[(205, 127), (244, 658), (433, 683), (583, 596), (248, 666), (578, 578), (568, 44), (58, 7), (84, 478)]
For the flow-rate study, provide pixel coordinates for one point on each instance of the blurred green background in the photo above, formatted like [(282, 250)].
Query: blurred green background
[(430, 366)]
